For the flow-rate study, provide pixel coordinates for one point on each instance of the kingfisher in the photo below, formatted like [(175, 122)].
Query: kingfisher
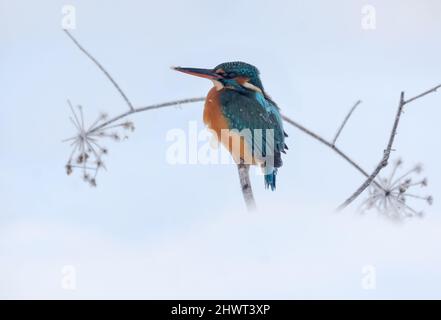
[(237, 103)]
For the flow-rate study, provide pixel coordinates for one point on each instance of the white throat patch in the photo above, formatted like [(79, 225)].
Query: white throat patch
[(219, 86)]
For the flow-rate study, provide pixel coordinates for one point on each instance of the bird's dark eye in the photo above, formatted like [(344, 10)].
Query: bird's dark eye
[(231, 75)]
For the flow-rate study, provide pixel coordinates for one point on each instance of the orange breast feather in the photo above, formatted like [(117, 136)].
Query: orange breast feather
[(215, 120)]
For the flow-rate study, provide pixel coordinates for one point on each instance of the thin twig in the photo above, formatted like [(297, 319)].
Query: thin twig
[(330, 145), (384, 161), (423, 94), (340, 129), (101, 68), (146, 108)]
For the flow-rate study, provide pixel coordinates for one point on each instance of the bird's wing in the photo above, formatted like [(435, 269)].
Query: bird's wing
[(252, 111)]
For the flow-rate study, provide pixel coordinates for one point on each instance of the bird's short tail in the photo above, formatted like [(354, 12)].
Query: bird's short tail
[(270, 179)]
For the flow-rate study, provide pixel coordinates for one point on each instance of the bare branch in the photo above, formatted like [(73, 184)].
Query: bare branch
[(383, 163), (434, 89), (330, 145), (384, 160), (340, 129), (247, 191), (147, 108), (101, 68)]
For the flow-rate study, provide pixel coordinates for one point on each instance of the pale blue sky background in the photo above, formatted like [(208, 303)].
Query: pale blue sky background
[(151, 230)]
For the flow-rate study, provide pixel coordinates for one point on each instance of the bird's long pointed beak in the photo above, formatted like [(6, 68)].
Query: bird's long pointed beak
[(203, 73)]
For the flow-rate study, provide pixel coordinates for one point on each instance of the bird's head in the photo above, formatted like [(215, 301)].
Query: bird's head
[(235, 75)]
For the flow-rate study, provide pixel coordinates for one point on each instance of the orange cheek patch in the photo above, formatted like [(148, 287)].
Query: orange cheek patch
[(241, 80)]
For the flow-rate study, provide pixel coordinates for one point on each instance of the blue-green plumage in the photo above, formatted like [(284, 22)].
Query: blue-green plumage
[(248, 108), (245, 107)]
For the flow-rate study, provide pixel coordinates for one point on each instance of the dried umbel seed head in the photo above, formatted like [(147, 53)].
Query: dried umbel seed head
[(429, 200), (69, 169), (392, 196), (92, 182), (83, 157), (87, 148), (418, 168), (128, 125)]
